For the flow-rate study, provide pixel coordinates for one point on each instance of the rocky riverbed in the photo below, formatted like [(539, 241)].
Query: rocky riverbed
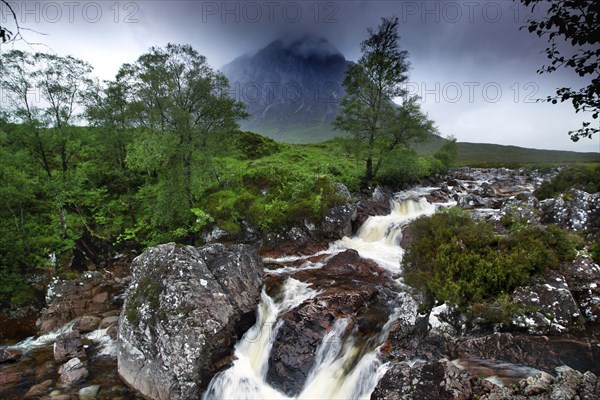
[(340, 313)]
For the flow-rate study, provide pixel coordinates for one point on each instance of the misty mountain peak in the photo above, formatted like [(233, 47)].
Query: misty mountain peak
[(306, 46), (292, 85)]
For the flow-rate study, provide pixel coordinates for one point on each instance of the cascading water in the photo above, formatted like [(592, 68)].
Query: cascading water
[(345, 366), (379, 237)]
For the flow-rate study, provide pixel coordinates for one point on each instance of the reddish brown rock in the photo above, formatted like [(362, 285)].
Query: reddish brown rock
[(10, 355), (87, 323), (350, 288), (39, 389), (91, 294), (67, 346)]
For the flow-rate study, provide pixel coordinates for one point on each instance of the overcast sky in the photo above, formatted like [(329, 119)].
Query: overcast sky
[(473, 68)]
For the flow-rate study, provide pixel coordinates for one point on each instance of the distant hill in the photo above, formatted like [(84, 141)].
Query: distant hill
[(291, 88), (488, 154), (495, 154)]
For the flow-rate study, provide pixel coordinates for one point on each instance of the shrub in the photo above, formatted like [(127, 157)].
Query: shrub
[(457, 260), (255, 146), (595, 251), (586, 178)]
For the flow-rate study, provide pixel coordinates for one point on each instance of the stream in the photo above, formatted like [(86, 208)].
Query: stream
[(347, 363), (349, 357)]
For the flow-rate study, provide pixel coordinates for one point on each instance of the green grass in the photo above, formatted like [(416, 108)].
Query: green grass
[(469, 154), (291, 184), (297, 133), (483, 154)]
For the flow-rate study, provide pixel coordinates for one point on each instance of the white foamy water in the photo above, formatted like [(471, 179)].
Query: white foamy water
[(246, 378), (379, 237), (44, 340), (103, 342), (335, 374), (342, 368)]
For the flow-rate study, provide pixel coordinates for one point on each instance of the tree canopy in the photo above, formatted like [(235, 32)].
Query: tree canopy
[(369, 112)]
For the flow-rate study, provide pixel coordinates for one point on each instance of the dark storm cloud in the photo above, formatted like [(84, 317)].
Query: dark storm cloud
[(472, 66), (474, 69)]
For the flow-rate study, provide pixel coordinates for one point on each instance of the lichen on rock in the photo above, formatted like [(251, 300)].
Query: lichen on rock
[(181, 314)]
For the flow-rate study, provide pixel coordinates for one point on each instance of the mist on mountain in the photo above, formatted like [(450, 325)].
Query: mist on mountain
[(291, 88)]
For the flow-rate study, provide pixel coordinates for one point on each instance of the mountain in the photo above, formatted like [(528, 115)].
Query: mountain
[(291, 88)]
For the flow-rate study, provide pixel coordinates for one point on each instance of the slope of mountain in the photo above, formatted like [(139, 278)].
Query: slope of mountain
[(291, 88)]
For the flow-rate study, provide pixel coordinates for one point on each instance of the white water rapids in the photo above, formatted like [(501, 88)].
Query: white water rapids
[(339, 370)]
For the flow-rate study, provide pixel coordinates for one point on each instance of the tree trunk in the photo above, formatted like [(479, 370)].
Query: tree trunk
[(62, 221), (369, 171)]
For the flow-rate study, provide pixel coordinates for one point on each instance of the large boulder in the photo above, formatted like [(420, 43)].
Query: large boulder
[(556, 311), (435, 380), (92, 293), (353, 293), (181, 314), (583, 277), (576, 210)]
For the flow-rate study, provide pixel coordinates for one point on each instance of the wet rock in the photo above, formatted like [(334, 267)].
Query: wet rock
[(296, 343), (557, 310), (10, 355), (107, 322), (62, 397), (68, 300), (541, 352), (567, 384), (436, 380), (89, 392), (351, 289), (576, 210), (438, 196), (68, 345), (39, 389), (87, 323), (470, 201), (9, 379), (181, 314), (379, 204), (72, 372)]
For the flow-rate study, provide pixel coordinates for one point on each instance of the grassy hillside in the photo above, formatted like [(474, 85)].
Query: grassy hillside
[(295, 133), (471, 154), (485, 154)]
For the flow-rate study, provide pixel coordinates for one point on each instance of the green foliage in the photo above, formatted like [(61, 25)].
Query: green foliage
[(369, 112), (595, 251), (446, 154), (460, 261), (583, 177), (254, 146), (160, 159)]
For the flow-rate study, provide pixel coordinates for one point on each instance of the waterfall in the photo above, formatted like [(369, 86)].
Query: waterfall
[(345, 366), (379, 237), (246, 378)]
